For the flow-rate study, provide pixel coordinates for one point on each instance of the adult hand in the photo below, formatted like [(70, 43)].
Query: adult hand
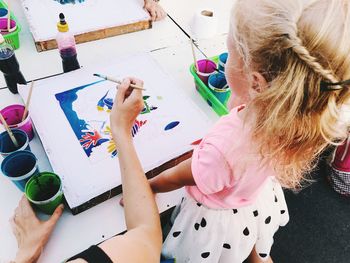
[(127, 106), (155, 10), (31, 233)]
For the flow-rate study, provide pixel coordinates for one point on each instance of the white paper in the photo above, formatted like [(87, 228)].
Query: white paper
[(85, 177)]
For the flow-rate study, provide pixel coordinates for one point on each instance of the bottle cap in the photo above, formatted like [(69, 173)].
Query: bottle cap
[(62, 25), (2, 39)]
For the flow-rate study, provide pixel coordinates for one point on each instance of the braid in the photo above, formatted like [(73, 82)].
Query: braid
[(304, 55)]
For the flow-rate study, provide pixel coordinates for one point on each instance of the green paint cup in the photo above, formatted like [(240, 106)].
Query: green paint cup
[(44, 190)]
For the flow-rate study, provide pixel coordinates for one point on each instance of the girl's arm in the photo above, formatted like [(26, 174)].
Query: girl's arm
[(173, 178)]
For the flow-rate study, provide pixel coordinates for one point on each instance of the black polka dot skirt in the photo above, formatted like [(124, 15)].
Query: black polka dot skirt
[(200, 234)]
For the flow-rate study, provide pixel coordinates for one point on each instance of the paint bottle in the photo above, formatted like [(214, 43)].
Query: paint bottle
[(66, 46), (9, 66)]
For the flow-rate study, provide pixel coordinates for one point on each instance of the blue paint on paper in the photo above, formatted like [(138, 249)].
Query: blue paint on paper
[(90, 139), (171, 125), (63, 2)]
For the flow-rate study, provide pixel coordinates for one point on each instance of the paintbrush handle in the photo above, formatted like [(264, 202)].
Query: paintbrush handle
[(12, 137), (131, 85), (28, 101), (8, 16), (194, 55)]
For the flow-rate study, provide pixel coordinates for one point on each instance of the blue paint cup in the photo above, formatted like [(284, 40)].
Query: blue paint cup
[(19, 167), (218, 85), (3, 12), (6, 145), (222, 61)]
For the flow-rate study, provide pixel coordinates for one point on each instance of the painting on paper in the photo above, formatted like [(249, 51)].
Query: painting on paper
[(87, 109)]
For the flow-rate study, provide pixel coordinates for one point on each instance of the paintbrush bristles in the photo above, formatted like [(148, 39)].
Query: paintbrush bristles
[(7, 128), (134, 86), (28, 101)]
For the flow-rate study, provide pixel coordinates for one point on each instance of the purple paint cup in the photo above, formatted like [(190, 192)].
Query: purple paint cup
[(3, 26), (13, 116), (206, 67), (6, 145), (19, 167)]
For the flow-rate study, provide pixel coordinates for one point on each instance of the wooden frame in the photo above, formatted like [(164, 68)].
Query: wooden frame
[(99, 34)]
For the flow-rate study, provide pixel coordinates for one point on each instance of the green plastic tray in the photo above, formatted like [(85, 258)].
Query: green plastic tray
[(206, 93), (13, 37)]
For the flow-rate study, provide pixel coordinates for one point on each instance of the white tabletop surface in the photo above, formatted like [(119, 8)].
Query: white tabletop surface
[(169, 46)]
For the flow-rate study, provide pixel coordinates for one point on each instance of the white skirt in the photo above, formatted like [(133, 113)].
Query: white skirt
[(200, 234)]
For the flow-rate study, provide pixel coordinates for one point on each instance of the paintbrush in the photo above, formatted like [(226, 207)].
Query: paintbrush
[(194, 55), (28, 101), (118, 81), (8, 17), (12, 137)]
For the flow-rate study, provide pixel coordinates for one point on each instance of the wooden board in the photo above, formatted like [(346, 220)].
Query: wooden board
[(99, 34), (118, 190)]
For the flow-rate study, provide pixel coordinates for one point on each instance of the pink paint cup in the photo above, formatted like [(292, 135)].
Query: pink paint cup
[(13, 116), (206, 67), (3, 26)]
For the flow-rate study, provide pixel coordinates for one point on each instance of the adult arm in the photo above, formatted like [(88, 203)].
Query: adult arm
[(143, 241)]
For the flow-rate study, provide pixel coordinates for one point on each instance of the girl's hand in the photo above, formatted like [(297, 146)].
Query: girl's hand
[(128, 104), (155, 10)]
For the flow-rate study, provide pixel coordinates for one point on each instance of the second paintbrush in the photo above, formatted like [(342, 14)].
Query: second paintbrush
[(118, 81)]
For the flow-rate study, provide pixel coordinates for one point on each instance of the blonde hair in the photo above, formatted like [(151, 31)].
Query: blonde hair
[(295, 46)]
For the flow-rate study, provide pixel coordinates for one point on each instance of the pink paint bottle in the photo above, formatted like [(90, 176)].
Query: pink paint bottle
[(66, 45)]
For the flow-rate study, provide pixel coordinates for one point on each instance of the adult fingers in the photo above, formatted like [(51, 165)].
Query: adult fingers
[(122, 88), (136, 94), (153, 13), (121, 202), (160, 14), (136, 81), (56, 215)]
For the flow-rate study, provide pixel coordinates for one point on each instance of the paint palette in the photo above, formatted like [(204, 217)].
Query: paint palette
[(206, 93)]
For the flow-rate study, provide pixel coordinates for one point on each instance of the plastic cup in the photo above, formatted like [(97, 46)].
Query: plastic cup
[(218, 85), (206, 68), (3, 26), (6, 145), (19, 167), (222, 61), (13, 116), (44, 190)]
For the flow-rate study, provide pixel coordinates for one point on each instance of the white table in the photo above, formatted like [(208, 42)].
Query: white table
[(170, 48)]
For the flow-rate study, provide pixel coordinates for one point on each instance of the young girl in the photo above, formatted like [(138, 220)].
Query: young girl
[(288, 62)]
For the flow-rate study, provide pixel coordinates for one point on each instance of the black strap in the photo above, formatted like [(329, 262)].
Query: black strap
[(93, 254)]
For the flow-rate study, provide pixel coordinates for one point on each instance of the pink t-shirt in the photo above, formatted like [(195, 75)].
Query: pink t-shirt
[(227, 173)]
